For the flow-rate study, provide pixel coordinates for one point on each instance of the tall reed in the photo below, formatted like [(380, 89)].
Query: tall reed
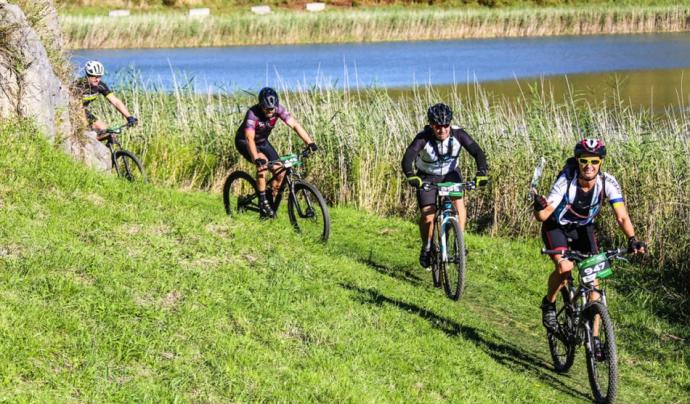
[(168, 30), (186, 140)]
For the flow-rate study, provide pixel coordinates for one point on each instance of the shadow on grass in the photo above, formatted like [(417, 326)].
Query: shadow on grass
[(402, 274), (500, 350)]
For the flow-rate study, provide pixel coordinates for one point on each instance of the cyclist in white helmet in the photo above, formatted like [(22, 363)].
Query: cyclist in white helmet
[(89, 87)]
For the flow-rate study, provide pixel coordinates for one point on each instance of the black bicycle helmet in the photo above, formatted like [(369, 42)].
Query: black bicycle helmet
[(440, 114), (268, 98), (590, 146)]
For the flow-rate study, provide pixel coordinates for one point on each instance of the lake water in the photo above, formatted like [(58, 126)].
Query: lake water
[(405, 64)]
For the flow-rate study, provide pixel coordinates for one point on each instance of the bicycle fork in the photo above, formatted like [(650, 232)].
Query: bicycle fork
[(443, 247)]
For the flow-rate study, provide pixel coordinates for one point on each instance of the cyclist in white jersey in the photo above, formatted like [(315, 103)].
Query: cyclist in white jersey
[(567, 214)]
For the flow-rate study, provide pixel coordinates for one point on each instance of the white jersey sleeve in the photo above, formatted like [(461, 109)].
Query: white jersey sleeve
[(614, 193), (558, 190)]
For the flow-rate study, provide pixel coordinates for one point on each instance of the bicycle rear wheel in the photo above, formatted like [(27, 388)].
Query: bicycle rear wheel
[(560, 345), (128, 166), (453, 267), (602, 370), (308, 212), (240, 194)]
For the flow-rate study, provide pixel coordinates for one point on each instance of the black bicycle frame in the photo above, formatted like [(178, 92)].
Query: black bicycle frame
[(287, 181)]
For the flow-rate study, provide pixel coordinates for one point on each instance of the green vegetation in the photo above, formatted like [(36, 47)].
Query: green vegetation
[(187, 140), (230, 6), (117, 292), (384, 24)]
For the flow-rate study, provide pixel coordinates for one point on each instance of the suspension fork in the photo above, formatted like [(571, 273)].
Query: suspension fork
[(443, 216), (109, 144)]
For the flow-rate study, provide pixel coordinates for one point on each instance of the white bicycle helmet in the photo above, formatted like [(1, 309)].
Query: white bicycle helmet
[(94, 68)]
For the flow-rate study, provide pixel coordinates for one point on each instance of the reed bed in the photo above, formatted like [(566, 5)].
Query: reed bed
[(186, 140), (169, 30)]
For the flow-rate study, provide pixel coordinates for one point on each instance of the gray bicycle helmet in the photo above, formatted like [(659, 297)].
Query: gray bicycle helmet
[(268, 98)]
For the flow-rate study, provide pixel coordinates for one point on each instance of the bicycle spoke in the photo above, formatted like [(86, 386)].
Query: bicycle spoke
[(240, 194), (308, 212)]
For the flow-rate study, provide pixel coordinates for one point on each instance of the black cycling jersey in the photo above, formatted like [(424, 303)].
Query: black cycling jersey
[(88, 92), (582, 203)]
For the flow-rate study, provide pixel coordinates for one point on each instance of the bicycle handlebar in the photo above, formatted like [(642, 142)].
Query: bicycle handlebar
[(116, 129), (303, 154), (577, 256), (467, 185)]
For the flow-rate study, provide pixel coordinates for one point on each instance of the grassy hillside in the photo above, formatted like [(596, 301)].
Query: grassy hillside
[(111, 291)]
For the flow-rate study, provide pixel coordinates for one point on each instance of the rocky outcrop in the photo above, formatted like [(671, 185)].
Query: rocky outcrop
[(31, 88), (88, 149)]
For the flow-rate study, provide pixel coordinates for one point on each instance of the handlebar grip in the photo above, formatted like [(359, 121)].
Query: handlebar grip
[(552, 252)]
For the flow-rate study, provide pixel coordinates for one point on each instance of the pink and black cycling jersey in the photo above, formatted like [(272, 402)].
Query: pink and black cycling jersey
[(255, 119)]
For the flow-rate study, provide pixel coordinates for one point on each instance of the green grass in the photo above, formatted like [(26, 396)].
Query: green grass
[(151, 30), (186, 140), (119, 292)]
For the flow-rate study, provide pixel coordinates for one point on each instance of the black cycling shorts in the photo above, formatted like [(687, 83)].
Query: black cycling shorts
[(426, 198), (266, 148), (90, 117), (578, 238)]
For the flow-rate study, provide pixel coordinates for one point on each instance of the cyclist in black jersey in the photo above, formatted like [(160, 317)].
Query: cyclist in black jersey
[(567, 214), (251, 140), (434, 152), (90, 87)]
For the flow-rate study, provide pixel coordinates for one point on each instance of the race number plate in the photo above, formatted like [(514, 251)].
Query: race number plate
[(450, 189), (290, 160), (595, 267)]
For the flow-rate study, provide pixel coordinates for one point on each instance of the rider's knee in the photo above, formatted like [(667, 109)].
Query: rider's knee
[(98, 126), (564, 267), (427, 213)]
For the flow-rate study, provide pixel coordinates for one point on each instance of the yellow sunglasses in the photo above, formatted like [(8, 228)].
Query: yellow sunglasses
[(594, 162)]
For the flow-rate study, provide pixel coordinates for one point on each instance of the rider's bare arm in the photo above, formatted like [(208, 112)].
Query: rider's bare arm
[(544, 214), (623, 219), (119, 105), (292, 122)]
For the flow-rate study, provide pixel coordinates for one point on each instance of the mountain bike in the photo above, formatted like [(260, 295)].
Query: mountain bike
[(448, 260), (581, 313), (125, 163), (307, 209)]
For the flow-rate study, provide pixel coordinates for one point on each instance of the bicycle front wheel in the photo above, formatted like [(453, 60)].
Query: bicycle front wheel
[(240, 194), (453, 262), (560, 344), (602, 366), (308, 212), (128, 166), (436, 257)]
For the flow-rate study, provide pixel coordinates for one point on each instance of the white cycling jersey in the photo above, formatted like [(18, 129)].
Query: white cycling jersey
[(571, 210)]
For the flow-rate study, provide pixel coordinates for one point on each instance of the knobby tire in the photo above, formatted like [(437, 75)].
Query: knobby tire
[(305, 208)]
